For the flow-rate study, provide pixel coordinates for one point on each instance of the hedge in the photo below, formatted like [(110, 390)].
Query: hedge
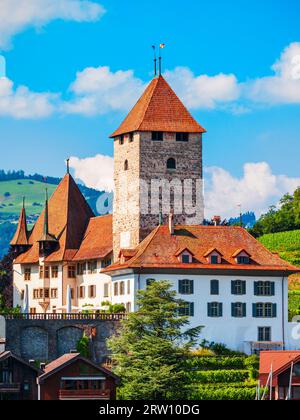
[(216, 363), (229, 393), (219, 376)]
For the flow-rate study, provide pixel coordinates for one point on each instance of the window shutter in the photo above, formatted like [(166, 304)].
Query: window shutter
[(233, 313), (254, 310), (209, 309), (244, 287), (192, 287), (244, 310), (192, 309), (255, 288), (273, 288), (274, 310), (233, 287), (180, 286), (220, 309)]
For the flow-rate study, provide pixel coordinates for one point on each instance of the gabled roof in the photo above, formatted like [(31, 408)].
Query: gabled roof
[(159, 109), (97, 240), (7, 354), (279, 360), (69, 216), (68, 359), (211, 250), (240, 251), (21, 234), (158, 250)]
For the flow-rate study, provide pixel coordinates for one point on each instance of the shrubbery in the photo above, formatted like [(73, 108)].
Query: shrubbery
[(215, 363), (219, 376), (228, 393)]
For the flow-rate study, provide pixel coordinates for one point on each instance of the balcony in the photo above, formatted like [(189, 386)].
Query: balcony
[(84, 394), (10, 387)]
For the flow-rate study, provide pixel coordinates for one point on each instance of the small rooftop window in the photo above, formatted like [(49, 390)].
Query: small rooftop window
[(157, 136), (182, 137)]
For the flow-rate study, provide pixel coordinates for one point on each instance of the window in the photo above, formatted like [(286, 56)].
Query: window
[(81, 268), (126, 165), (157, 136), (116, 289), (182, 137), (41, 293), (214, 259), (121, 140), (238, 287), (106, 290), (54, 271), (122, 288), (47, 272), (264, 288), (35, 293), (53, 293), (264, 310), (243, 260), (92, 291), (72, 294), (46, 293), (92, 267), (186, 259), (149, 282), (106, 262), (128, 307), (131, 137), (27, 274), (214, 287), (81, 292), (238, 310), (187, 309), (186, 287), (215, 310), (41, 272), (128, 287), (32, 310), (22, 294), (71, 272), (171, 163), (264, 334)]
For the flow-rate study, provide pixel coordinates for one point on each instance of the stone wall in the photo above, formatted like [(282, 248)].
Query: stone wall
[(45, 340)]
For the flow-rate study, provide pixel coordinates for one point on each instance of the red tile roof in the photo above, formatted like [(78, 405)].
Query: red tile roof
[(69, 216), (159, 109), (159, 250), (21, 234), (280, 360)]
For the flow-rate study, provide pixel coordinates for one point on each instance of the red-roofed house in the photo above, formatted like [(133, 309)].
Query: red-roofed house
[(285, 378), (73, 377)]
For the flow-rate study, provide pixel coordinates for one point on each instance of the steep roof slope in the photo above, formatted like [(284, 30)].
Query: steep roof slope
[(159, 109)]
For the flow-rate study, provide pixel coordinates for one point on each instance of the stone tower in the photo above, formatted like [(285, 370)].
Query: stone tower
[(158, 167)]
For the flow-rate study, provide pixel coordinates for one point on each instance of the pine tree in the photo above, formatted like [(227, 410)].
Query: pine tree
[(150, 350)]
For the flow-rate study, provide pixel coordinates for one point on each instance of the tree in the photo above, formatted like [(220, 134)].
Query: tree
[(6, 280), (150, 350)]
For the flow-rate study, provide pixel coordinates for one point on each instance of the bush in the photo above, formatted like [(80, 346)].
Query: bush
[(219, 376), (219, 349), (219, 394), (83, 347), (216, 363)]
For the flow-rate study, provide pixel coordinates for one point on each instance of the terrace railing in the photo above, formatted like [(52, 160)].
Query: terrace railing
[(67, 317)]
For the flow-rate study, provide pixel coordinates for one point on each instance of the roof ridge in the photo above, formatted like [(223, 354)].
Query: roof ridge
[(150, 97)]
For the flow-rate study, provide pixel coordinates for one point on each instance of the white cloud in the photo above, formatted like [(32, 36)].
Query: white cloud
[(18, 15), (284, 86), (21, 103), (99, 91), (95, 172), (256, 190), (203, 91)]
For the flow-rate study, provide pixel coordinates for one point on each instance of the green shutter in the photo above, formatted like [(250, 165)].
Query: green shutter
[(180, 286), (192, 309), (233, 313), (244, 310), (273, 288), (233, 287), (244, 288), (254, 310), (192, 287), (255, 288), (209, 309), (220, 309), (274, 310)]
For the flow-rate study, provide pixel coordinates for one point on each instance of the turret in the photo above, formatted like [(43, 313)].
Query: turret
[(19, 242)]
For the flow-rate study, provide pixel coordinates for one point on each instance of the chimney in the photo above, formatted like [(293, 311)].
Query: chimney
[(171, 223), (32, 362), (42, 366), (216, 220)]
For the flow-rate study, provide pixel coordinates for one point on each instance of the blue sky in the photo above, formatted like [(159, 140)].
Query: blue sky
[(242, 39)]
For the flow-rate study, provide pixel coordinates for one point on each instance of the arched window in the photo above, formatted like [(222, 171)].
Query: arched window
[(126, 166), (171, 163)]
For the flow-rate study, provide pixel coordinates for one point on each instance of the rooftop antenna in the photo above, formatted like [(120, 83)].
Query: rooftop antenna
[(155, 60), (161, 47), (68, 165)]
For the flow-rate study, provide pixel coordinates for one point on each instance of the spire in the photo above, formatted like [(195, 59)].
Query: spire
[(21, 234), (68, 165), (46, 237), (159, 109)]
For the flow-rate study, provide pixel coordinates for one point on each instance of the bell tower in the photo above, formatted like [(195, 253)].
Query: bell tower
[(158, 167)]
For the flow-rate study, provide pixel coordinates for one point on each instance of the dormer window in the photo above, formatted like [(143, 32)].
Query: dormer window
[(214, 259), (157, 136), (185, 256), (213, 256), (242, 257), (182, 137), (185, 259)]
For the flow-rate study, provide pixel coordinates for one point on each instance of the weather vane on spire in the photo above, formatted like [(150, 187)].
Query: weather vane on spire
[(161, 46)]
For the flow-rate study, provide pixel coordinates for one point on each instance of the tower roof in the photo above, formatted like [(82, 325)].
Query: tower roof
[(21, 234), (68, 218), (159, 109)]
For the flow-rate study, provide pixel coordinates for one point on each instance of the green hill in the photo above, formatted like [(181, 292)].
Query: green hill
[(287, 244)]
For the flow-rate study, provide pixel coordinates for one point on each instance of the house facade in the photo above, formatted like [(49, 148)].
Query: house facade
[(233, 286)]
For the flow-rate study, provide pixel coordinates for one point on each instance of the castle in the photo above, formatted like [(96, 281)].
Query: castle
[(231, 284)]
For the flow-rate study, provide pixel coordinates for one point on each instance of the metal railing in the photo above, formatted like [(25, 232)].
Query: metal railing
[(84, 394), (67, 317)]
